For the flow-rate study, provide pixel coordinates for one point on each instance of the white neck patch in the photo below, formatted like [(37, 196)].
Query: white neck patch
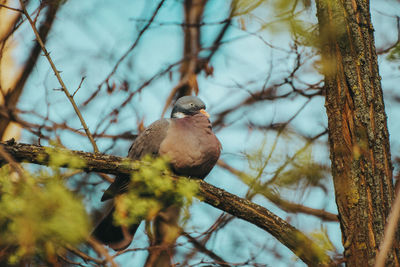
[(179, 115)]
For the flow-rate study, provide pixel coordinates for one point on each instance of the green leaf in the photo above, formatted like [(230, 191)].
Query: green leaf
[(37, 214), (152, 188)]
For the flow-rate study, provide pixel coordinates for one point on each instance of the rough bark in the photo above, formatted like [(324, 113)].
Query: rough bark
[(358, 135), (296, 241)]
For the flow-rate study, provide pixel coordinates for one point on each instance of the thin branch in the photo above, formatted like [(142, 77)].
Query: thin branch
[(298, 208), (102, 251), (218, 40), (70, 262), (79, 86), (184, 24), (11, 8), (295, 240), (84, 256), (387, 49), (206, 251), (36, 129), (390, 231), (57, 73), (219, 223), (134, 44)]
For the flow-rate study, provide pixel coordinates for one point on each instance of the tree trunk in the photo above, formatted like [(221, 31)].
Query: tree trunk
[(358, 135)]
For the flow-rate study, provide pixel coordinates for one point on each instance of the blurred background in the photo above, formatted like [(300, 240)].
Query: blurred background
[(254, 63)]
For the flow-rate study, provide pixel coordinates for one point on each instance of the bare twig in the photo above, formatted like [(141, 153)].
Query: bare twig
[(387, 49), (130, 48), (57, 73), (102, 251), (36, 129), (206, 251), (11, 8), (219, 223), (79, 86), (68, 261), (84, 256), (390, 231)]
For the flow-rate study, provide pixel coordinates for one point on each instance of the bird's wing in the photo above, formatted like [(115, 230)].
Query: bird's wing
[(147, 143)]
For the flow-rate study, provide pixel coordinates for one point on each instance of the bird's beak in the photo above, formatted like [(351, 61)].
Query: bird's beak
[(204, 113)]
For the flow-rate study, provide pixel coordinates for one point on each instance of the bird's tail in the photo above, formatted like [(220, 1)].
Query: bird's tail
[(115, 236), (165, 232)]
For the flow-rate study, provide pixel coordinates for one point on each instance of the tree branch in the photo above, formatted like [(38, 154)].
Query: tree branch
[(296, 241)]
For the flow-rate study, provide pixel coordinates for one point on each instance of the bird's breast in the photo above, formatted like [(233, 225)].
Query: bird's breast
[(192, 149)]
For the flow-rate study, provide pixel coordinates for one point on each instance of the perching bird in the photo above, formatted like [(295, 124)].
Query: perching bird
[(188, 142)]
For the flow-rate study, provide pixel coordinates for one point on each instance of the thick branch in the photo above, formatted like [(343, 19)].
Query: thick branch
[(288, 235)]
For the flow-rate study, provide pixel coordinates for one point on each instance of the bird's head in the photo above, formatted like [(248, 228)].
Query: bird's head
[(188, 106)]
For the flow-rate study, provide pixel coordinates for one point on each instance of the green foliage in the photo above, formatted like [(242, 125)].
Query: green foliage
[(319, 253), (278, 16), (293, 18), (244, 7), (302, 170), (321, 238), (394, 54), (272, 169), (38, 213), (152, 188), (59, 157)]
